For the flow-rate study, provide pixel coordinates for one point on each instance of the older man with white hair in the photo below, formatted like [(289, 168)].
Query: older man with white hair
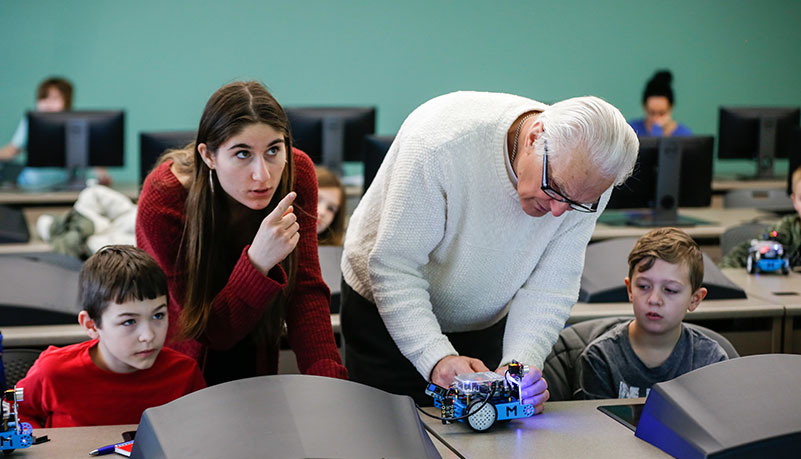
[(466, 252)]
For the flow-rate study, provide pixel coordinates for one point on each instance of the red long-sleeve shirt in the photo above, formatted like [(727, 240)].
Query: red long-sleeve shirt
[(64, 388), (240, 304)]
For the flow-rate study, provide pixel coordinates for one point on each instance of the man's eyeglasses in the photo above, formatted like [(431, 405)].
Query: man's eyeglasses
[(553, 194)]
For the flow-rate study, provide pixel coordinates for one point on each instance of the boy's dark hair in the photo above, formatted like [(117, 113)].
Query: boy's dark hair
[(61, 85), (671, 245), (118, 273)]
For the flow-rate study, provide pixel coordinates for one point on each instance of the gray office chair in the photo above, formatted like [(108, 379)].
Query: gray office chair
[(741, 233), (17, 362), (562, 368)]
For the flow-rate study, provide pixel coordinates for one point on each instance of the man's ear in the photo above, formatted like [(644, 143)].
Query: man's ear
[(534, 133), (88, 324), (205, 154), (696, 299)]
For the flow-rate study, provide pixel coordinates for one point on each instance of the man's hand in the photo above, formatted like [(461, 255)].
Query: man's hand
[(450, 366), (533, 388)]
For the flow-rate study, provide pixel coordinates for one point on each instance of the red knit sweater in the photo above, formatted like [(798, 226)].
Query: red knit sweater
[(240, 304)]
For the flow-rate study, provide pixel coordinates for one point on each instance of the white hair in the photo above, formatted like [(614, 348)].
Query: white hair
[(594, 127)]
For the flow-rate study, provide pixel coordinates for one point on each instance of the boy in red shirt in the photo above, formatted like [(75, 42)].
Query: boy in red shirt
[(122, 370)]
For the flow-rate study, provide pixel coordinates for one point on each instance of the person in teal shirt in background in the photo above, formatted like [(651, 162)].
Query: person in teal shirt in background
[(54, 94), (657, 103)]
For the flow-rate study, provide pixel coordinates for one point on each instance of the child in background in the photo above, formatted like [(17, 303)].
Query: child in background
[(54, 94), (123, 369), (657, 104), (788, 232), (666, 269), (330, 208)]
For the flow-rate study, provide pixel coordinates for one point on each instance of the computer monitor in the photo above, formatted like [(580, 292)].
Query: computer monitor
[(76, 140), (153, 144), (670, 172), (795, 157), (759, 133), (375, 148), (331, 135)]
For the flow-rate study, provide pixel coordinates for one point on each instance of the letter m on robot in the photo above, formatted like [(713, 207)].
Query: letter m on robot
[(511, 411)]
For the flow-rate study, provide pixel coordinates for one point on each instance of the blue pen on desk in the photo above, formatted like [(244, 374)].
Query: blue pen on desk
[(108, 449)]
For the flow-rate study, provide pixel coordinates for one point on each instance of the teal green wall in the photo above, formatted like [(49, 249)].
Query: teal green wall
[(160, 60)]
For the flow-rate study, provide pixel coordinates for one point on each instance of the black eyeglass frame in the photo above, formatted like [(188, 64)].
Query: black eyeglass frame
[(553, 194)]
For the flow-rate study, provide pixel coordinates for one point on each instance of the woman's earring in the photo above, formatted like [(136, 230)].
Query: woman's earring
[(211, 181)]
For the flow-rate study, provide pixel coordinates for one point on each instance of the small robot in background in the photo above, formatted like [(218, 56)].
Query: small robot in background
[(481, 399), (14, 434), (767, 256)]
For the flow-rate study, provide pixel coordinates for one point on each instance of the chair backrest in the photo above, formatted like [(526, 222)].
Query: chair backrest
[(16, 363), (562, 369), (727, 346), (741, 233)]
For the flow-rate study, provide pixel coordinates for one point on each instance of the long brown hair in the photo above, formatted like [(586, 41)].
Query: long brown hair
[(335, 233), (229, 110)]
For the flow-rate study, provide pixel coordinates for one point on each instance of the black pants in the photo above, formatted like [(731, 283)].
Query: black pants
[(373, 358)]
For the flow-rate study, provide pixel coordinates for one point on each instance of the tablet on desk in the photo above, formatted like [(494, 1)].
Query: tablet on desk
[(628, 415)]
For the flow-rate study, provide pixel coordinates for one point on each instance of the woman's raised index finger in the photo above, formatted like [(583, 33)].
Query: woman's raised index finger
[(283, 205)]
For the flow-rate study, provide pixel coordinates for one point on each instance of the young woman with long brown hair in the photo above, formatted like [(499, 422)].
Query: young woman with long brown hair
[(330, 208), (231, 220)]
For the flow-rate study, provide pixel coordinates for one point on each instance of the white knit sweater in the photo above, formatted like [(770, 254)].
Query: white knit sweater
[(440, 243)]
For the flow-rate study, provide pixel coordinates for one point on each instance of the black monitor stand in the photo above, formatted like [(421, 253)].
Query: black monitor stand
[(767, 147), (664, 209), (333, 143), (76, 134)]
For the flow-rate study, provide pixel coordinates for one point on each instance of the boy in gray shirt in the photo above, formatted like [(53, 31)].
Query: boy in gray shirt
[(666, 269)]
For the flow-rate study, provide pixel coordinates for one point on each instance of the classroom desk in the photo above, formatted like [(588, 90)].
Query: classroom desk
[(76, 442), (73, 442), (62, 335), (759, 337), (35, 246), (37, 203), (779, 289), (565, 429), (723, 184), (719, 221), (30, 198), (792, 329)]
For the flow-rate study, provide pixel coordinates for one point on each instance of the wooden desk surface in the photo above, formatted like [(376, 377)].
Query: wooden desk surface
[(780, 289), (723, 184), (719, 221), (73, 442), (565, 429), (774, 287)]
